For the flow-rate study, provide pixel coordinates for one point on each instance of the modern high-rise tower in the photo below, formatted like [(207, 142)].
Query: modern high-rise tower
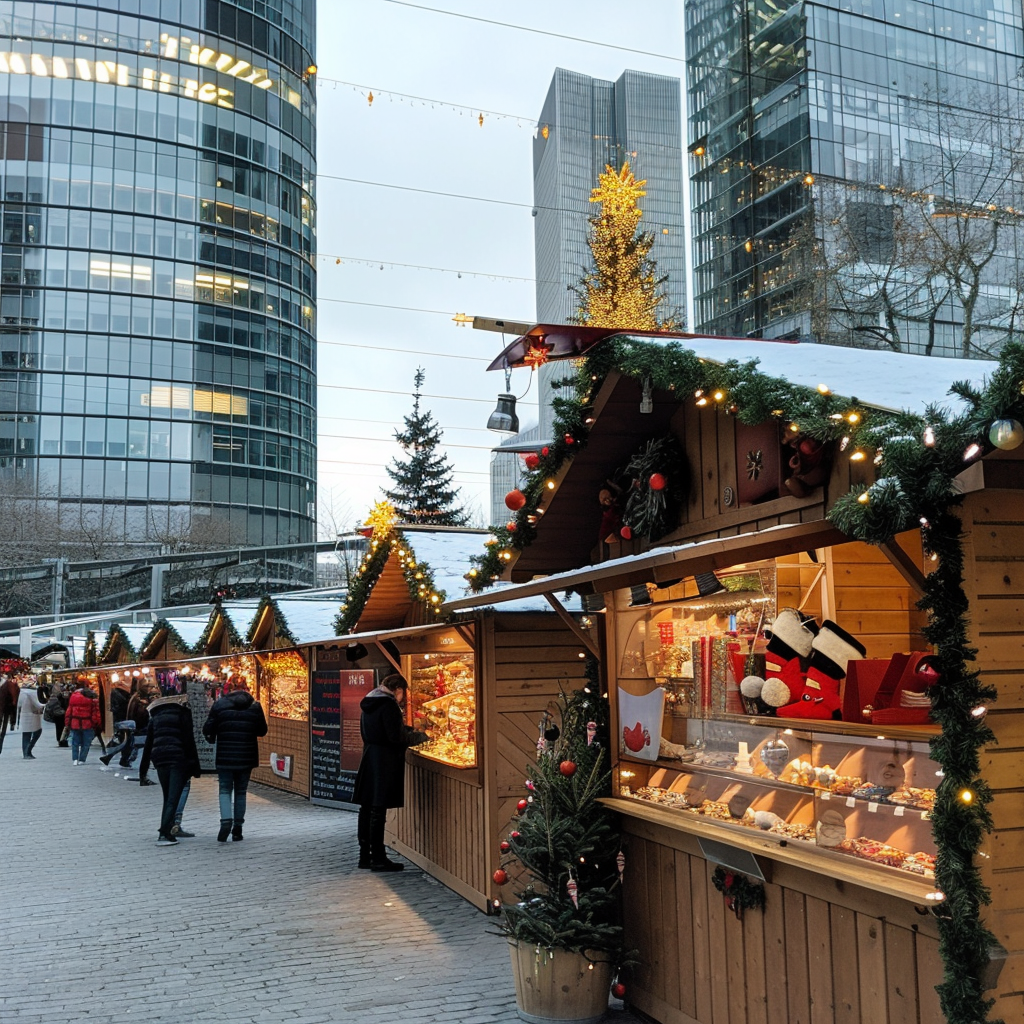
[(586, 125), (856, 171), (157, 185)]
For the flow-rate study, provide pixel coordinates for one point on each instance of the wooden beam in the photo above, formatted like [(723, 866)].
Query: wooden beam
[(580, 633), (387, 654), (468, 633), (905, 565)]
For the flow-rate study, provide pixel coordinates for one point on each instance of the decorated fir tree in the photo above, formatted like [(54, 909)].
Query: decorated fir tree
[(565, 840), (423, 491), (623, 289)]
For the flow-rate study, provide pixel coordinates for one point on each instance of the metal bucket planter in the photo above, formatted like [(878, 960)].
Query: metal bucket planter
[(557, 987)]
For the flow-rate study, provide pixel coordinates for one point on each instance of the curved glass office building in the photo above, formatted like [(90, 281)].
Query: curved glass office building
[(157, 178)]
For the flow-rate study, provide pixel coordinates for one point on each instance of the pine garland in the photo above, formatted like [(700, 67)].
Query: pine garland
[(419, 577), (918, 459), (113, 633)]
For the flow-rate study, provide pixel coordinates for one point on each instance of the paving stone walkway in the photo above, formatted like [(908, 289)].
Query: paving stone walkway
[(99, 924)]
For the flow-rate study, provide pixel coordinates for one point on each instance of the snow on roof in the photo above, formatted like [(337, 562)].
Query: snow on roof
[(447, 552), (190, 629), (884, 380), (309, 619), (136, 632)]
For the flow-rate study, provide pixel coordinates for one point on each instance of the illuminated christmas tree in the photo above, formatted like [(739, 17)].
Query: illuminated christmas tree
[(422, 484), (623, 289)]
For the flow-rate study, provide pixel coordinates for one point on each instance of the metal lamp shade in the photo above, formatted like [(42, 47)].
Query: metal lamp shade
[(504, 419)]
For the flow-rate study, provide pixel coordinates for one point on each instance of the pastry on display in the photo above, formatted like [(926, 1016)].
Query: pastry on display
[(442, 701)]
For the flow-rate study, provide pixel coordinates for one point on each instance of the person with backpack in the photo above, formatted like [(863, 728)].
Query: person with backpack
[(235, 723)]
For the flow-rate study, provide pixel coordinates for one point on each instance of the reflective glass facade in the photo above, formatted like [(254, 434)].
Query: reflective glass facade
[(824, 135), (157, 188)]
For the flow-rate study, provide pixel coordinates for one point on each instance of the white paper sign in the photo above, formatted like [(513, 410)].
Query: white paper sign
[(640, 723)]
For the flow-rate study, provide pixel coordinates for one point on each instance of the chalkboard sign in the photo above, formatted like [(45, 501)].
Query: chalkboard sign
[(335, 746)]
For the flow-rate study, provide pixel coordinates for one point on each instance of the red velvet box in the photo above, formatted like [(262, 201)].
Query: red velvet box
[(863, 680)]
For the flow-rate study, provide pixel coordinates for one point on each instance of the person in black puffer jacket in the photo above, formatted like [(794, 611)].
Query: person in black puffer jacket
[(235, 723), (171, 746)]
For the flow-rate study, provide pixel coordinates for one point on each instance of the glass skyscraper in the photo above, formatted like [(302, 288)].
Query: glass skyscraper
[(856, 171), (157, 185), (586, 125)]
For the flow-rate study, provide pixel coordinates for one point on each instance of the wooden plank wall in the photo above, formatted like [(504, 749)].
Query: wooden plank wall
[(819, 953), (285, 736), (993, 523), (443, 822), (535, 656)]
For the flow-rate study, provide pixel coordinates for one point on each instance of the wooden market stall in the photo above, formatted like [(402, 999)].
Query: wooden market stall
[(479, 686), (831, 814)]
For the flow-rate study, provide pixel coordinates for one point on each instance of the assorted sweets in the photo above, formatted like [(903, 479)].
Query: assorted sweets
[(442, 701)]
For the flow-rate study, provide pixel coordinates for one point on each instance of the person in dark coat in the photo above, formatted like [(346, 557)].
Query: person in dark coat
[(380, 781), (171, 746), (56, 709), (124, 728), (9, 693), (235, 723)]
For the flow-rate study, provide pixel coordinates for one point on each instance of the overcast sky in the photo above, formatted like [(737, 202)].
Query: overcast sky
[(369, 352)]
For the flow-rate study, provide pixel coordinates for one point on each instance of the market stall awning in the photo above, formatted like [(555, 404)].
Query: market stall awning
[(666, 565)]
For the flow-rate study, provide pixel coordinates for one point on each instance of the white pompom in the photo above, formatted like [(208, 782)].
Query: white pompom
[(775, 693), (751, 686)]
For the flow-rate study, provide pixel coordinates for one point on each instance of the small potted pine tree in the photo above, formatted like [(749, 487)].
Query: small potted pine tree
[(564, 854)]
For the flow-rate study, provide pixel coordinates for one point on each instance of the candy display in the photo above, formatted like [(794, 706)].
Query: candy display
[(286, 676), (828, 833), (442, 702)]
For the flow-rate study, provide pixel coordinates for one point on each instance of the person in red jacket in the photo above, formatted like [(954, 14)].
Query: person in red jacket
[(83, 720)]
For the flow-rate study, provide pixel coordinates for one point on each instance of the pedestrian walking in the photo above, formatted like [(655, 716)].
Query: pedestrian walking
[(235, 723), (82, 719), (30, 718), (124, 727), (55, 710), (9, 691), (380, 781), (138, 712), (171, 746)]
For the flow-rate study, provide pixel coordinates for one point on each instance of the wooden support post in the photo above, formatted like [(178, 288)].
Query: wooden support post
[(387, 654), (904, 564), (580, 633)]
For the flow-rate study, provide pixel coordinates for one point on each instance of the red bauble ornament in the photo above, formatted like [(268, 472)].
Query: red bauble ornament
[(504, 846), (569, 439), (515, 499), (657, 482), (500, 876), (531, 460), (513, 835), (567, 768), (545, 450), (511, 527), (521, 806), (619, 990), (626, 533)]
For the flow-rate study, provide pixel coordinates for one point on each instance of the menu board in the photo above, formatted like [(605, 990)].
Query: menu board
[(335, 744)]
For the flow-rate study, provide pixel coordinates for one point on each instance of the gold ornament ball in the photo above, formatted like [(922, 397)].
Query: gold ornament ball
[(1006, 434)]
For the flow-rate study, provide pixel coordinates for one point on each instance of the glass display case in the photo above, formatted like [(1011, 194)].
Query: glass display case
[(284, 685), (442, 703), (853, 796)]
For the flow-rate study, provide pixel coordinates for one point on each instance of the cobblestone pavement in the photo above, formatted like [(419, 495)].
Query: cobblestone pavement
[(101, 925)]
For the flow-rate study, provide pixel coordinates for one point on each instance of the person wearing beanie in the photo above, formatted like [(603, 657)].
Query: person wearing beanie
[(380, 781)]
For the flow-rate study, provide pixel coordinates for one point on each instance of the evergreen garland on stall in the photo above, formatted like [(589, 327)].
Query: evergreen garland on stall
[(653, 503), (385, 540), (918, 457)]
